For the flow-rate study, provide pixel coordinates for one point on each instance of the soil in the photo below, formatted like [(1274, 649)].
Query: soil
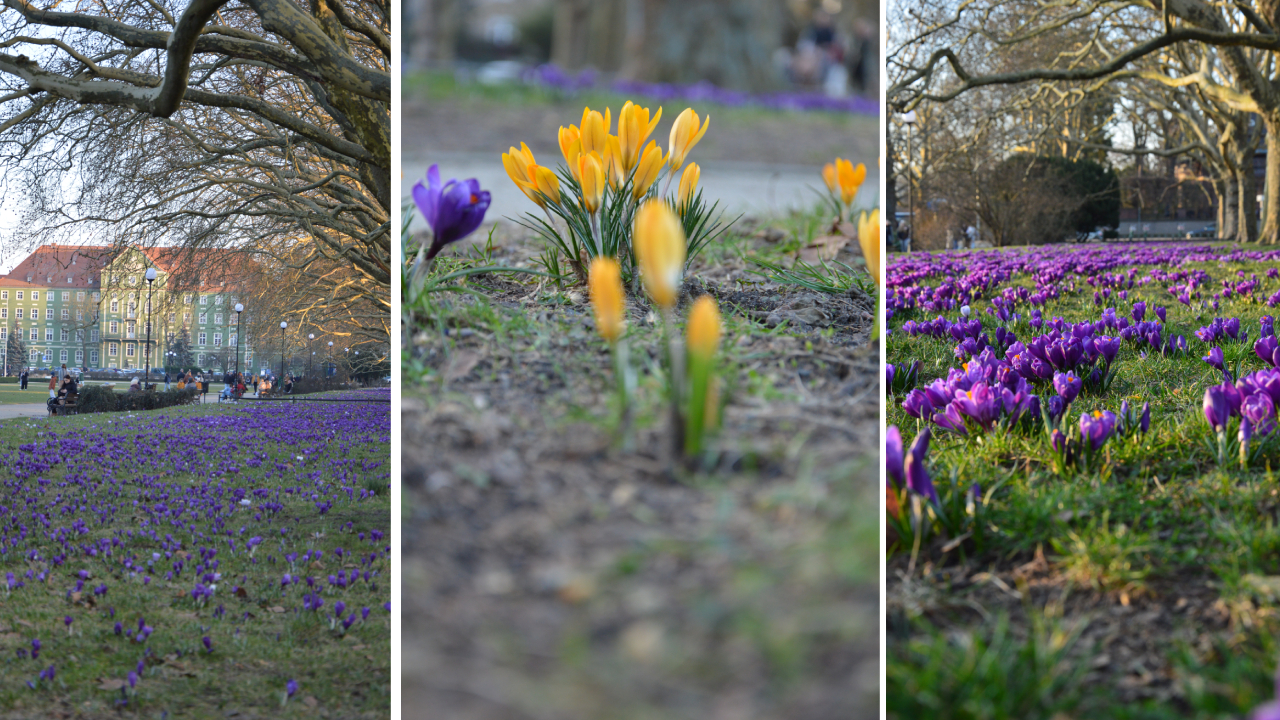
[(552, 572)]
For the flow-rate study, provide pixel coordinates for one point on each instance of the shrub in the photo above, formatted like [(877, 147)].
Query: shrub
[(96, 398)]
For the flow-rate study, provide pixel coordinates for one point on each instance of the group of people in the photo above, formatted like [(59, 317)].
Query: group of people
[(63, 388)]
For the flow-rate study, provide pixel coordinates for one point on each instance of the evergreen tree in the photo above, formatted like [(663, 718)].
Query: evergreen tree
[(16, 357), (181, 349)]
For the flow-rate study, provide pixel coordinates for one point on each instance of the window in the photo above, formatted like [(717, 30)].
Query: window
[(4, 333), (173, 317), (132, 308), (35, 294), (186, 298), (133, 279), (203, 338), (113, 349), (115, 305), (4, 313), (4, 294), (48, 356), (148, 304), (169, 337), (217, 318), (186, 318), (204, 299), (97, 296), (113, 327), (79, 297), (79, 336), (18, 313), (35, 334), (62, 356), (130, 349), (68, 282), (35, 356), (35, 313), (218, 300), (234, 319), (217, 339), (93, 357), (79, 357), (64, 335), (66, 314), (231, 339), (48, 334), (93, 335), (20, 292), (66, 295), (130, 329), (204, 318), (79, 315)]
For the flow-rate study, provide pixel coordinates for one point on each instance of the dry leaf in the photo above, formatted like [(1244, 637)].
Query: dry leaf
[(461, 364), (277, 609), (824, 248), (310, 701), (110, 683)]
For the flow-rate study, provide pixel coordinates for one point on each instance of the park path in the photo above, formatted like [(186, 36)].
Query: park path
[(741, 187)]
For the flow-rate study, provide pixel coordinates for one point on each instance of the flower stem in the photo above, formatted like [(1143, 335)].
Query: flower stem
[(675, 360)]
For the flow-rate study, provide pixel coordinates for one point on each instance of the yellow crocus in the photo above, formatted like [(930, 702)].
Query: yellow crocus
[(689, 184), (613, 162), (829, 177), (869, 239), (850, 179), (591, 175), (647, 170), (634, 127), (595, 130), (607, 299), (702, 333), (517, 164), (685, 133), (660, 250), (571, 147), (545, 181)]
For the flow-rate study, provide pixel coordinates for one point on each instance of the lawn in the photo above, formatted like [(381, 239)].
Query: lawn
[(1060, 555), (197, 562)]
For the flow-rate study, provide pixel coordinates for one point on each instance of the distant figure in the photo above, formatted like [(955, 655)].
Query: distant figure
[(904, 233), (971, 235), (134, 386), (24, 379)]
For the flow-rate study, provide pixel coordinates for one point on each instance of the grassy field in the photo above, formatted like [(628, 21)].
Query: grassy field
[(1137, 578), (196, 562)]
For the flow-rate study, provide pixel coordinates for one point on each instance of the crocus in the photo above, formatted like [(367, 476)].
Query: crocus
[(917, 404), (688, 185), (1217, 410), (1259, 410), (893, 455), (1214, 358), (634, 127), (703, 330), (1067, 385), (517, 164), (453, 209), (591, 175), (291, 687), (686, 131), (607, 298), (647, 170), (869, 239), (571, 147), (595, 131), (850, 179), (1096, 427), (660, 251), (918, 480)]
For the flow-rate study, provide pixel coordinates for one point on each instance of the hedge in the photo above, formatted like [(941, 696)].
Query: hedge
[(99, 398)]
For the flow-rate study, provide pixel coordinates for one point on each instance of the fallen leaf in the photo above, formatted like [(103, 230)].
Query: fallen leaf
[(310, 701), (824, 248), (110, 683), (277, 609), (461, 365)]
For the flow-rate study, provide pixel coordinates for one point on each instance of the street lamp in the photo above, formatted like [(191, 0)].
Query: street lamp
[(239, 309), (312, 338), (283, 325), (910, 119), (151, 278), (329, 369)]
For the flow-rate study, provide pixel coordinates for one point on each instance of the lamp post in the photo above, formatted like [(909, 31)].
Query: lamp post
[(910, 119), (329, 366), (283, 325), (239, 309), (311, 340), (151, 278)]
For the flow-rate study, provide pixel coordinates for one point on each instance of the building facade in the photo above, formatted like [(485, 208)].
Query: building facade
[(91, 307)]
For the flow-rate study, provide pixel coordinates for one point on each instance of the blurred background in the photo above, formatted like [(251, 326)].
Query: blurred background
[(790, 84)]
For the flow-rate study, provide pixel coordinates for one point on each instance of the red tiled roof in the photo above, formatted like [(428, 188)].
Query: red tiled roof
[(51, 265)]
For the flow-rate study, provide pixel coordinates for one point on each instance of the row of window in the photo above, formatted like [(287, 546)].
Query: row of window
[(63, 356), (80, 297)]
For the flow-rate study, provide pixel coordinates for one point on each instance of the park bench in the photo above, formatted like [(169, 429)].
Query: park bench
[(66, 406)]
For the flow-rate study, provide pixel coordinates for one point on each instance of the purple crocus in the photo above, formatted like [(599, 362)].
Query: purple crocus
[(291, 688), (453, 209), (208, 644), (1214, 358), (1217, 410), (893, 455), (1096, 427), (918, 480), (1260, 412), (1067, 385)]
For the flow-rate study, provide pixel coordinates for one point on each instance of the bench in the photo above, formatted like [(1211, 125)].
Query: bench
[(65, 406)]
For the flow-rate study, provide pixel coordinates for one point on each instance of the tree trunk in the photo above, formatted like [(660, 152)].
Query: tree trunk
[(1271, 192), (1226, 188), (1247, 188)]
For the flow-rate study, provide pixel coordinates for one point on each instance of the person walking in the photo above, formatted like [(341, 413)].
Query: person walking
[(255, 385), (53, 387), (166, 381), (24, 379)]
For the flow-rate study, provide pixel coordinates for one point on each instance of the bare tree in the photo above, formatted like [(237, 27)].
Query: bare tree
[(261, 126)]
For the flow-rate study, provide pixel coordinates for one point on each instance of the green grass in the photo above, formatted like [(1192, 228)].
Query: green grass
[(1146, 515), (261, 637)]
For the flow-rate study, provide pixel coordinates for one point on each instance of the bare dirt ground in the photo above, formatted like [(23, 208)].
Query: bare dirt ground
[(551, 572)]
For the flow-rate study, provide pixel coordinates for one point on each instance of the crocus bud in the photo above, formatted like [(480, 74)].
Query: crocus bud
[(591, 175), (703, 330), (517, 164), (634, 127), (605, 285), (829, 177), (595, 130), (647, 170), (686, 131), (964, 310), (613, 169), (571, 147), (869, 239), (850, 178), (688, 185), (660, 250)]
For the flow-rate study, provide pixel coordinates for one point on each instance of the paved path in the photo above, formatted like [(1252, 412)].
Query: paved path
[(751, 188)]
